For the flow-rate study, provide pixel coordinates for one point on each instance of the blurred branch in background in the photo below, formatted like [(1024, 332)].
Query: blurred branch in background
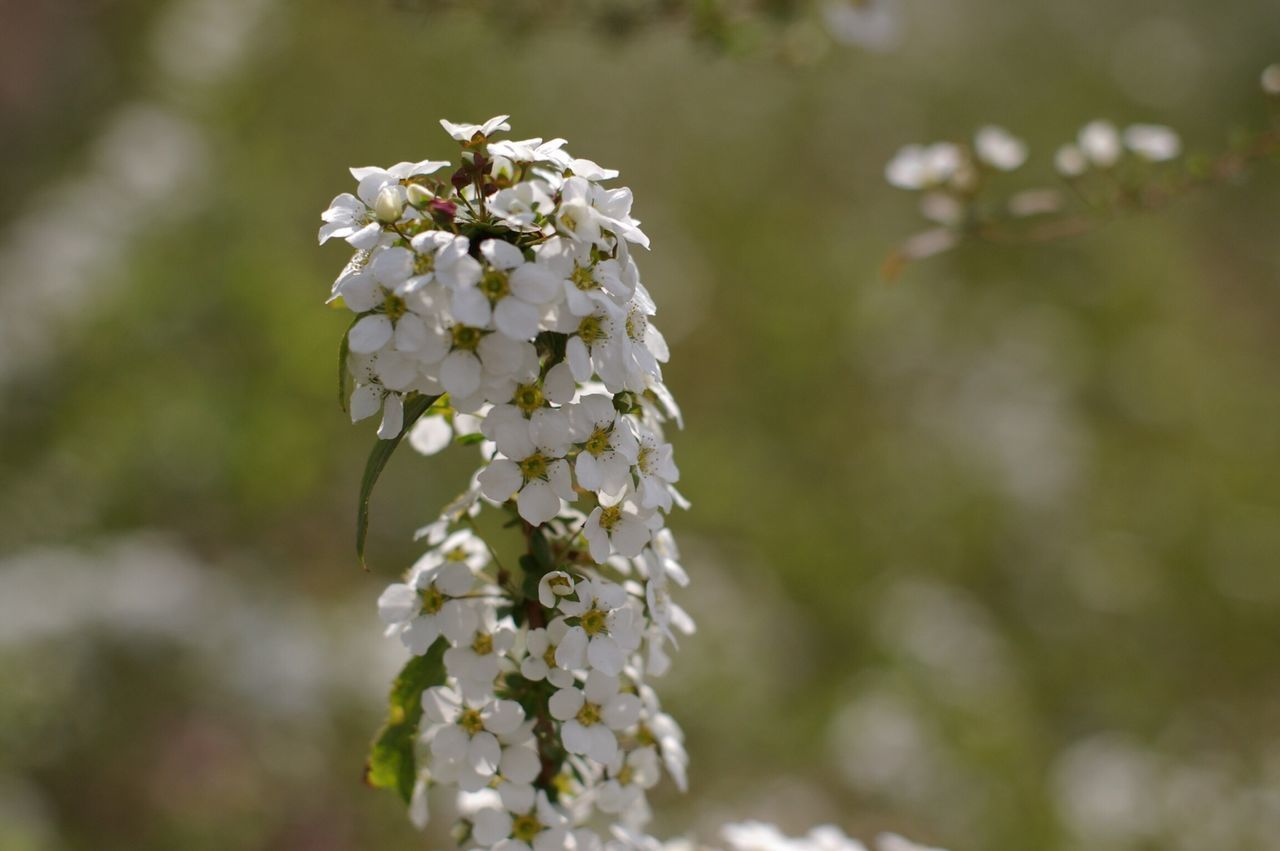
[(1108, 174), (793, 31)]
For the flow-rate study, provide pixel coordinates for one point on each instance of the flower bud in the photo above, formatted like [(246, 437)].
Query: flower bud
[(419, 195), (390, 203)]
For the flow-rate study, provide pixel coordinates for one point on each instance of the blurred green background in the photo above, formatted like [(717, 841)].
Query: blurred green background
[(989, 556)]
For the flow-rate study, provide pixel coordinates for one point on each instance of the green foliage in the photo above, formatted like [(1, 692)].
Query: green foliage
[(392, 763)]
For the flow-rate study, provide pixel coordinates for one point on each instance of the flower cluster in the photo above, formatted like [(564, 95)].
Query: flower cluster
[(498, 303), (1109, 170)]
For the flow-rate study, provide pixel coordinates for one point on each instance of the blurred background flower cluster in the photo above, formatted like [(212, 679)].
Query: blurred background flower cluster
[(989, 556)]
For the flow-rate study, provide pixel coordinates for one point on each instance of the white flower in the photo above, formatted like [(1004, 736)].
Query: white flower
[(478, 358), (656, 471), (510, 292), (542, 827), (924, 166), (663, 729), (608, 445), (466, 132), (588, 282), (1152, 142), (999, 148), (643, 348), (608, 628), (1100, 143), (532, 467), (629, 778), (351, 217), (436, 256), (593, 714), (552, 586), (539, 662), (575, 216), (522, 205), (595, 347), (468, 731), (623, 529), (429, 605), (476, 660)]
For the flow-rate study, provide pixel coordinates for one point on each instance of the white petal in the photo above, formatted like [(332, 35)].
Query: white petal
[(604, 655), (450, 742), (470, 307), (460, 374), (520, 765), (490, 826), (558, 386), (392, 417), (369, 334), (535, 283), (565, 703), (503, 717), (430, 435), (500, 480), (538, 503), (398, 603), (622, 711), (571, 653), (517, 319)]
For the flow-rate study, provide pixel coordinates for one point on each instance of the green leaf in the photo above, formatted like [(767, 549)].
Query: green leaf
[(392, 763), (414, 407), (344, 375)]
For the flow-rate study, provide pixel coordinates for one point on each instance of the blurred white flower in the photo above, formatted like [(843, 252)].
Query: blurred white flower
[(871, 24), (924, 166), (1152, 142), (999, 148), (1271, 79)]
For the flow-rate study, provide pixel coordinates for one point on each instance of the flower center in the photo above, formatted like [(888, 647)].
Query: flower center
[(424, 264), (534, 467), (526, 827), (609, 517), (626, 775), (465, 337), (582, 278), (471, 721), (550, 656), (456, 554), (636, 326), (591, 329), (598, 442), (644, 459), (394, 307), (528, 398), (495, 284), (483, 645), (593, 621), (589, 714), (432, 600)]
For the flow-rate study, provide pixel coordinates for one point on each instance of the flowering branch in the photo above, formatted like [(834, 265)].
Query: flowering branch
[(1107, 174)]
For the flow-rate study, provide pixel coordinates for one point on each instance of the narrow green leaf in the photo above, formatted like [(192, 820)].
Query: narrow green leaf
[(414, 407), (392, 763), (344, 376)]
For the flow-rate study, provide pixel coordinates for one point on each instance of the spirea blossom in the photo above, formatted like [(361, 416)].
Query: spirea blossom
[(498, 302)]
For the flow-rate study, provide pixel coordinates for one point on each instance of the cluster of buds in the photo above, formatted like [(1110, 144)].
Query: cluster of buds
[(497, 304)]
